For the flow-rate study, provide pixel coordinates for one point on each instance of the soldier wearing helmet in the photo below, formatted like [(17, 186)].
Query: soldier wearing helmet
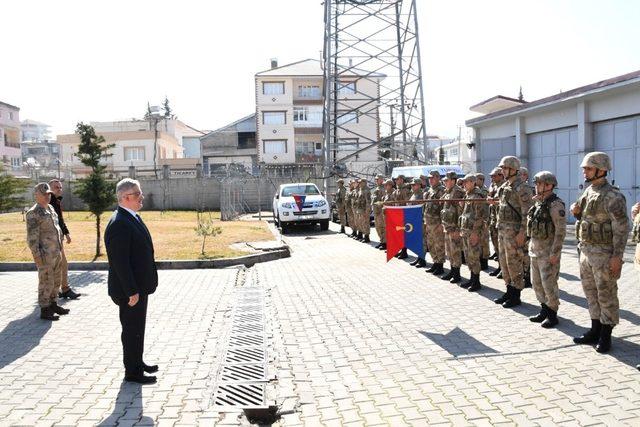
[(546, 228), (376, 205), (514, 204), (497, 179), (449, 216), (484, 239), (349, 204), (526, 260), (602, 229), (416, 194), (401, 194), (363, 211), (340, 196), (472, 223), (387, 197), (434, 231)]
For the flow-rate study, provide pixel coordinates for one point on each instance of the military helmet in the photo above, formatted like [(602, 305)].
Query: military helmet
[(469, 177), (379, 176), (524, 171), (495, 171), (480, 175), (42, 187), (340, 181), (416, 181), (598, 160), (451, 175), (510, 162), (389, 182), (400, 177), (546, 177), (434, 173)]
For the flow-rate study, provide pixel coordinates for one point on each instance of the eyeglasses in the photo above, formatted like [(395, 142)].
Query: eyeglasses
[(137, 194)]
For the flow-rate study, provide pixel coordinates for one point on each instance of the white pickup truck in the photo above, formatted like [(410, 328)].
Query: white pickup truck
[(300, 203)]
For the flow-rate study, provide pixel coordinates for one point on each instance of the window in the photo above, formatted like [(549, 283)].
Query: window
[(15, 162), (346, 88), (308, 151), (307, 116), (345, 117), (307, 91), (273, 88), (133, 153), (246, 140), (10, 115), (274, 146), (308, 189), (348, 144), (274, 118), (453, 152)]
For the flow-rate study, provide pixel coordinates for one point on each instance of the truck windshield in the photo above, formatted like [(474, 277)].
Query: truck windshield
[(309, 189)]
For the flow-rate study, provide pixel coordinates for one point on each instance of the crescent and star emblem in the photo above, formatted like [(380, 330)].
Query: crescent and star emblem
[(407, 227)]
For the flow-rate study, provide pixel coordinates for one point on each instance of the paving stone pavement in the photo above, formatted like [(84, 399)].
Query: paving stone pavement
[(356, 341)]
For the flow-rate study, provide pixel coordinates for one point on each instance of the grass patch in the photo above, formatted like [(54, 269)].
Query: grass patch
[(172, 231)]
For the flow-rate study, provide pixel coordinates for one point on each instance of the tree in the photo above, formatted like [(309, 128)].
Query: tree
[(11, 191), (206, 228), (95, 191), (168, 114), (520, 96)]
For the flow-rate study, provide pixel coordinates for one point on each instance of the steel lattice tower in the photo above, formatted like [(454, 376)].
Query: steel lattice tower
[(373, 41)]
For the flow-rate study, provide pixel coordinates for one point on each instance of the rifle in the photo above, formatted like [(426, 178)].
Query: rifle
[(424, 201)]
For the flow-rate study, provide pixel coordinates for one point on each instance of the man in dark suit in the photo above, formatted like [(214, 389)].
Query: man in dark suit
[(132, 276)]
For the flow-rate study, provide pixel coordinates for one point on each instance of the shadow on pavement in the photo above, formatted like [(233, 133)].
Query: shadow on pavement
[(21, 336), (569, 277), (80, 279), (582, 302), (458, 343), (128, 408)]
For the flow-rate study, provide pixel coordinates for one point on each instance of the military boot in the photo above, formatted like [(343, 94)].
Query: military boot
[(540, 317), (495, 272), (342, 230), (499, 275), (505, 296), (475, 285), (447, 276), (455, 278), (484, 264), (494, 257), (467, 283), (383, 246), (527, 280), (366, 239), (436, 269), (359, 236), (464, 260), (514, 299), (353, 233), (415, 262), (69, 294), (47, 313), (552, 319), (604, 343), (59, 310), (592, 335), (378, 245), (402, 254), (421, 263)]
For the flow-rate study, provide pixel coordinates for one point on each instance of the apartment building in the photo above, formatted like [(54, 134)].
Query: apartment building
[(10, 136), (289, 108)]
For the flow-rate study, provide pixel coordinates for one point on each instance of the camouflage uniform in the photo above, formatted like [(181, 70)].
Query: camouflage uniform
[(493, 214), (449, 215), (515, 201), (351, 217), (386, 197), (433, 224), (362, 209), (472, 220), (602, 230), (340, 199), (378, 219), (44, 238), (546, 228), (484, 238), (526, 260)]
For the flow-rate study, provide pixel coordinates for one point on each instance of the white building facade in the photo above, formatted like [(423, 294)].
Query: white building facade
[(10, 136), (554, 133)]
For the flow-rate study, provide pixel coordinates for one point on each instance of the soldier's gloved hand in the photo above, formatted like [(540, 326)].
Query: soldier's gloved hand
[(575, 209), (553, 259), (520, 237), (615, 266)]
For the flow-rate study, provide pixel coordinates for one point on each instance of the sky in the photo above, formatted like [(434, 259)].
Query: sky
[(67, 61)]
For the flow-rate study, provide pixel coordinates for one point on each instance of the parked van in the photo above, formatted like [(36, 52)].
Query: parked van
[(416, 171)]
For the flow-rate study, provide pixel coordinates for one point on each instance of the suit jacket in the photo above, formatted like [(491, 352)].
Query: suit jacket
[(132, 268)]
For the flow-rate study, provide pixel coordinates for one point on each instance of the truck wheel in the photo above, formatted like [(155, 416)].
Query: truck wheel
[(324, 225)]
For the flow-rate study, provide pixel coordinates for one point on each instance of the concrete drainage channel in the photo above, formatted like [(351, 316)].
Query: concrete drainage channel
[(243, 381)]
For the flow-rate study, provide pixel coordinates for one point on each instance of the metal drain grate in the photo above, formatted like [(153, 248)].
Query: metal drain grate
[(244, 355), (248, 328), (246, 340), (253, 372), (241, 395)]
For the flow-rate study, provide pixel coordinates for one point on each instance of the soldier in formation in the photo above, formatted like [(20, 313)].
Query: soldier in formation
[(401, 194), (44, 238), (472, 228), (340, 198), (546, 228), (434, 230), (349, 203), (377, 196), (602, 230), (484, 240), (363, 210), (497, 179), (416, 194), (449, 216), (514, 203)]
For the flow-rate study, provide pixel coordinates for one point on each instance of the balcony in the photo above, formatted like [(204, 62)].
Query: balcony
[(308, 158)]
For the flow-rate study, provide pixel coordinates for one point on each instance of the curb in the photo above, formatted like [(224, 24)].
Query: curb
[(247, 261)]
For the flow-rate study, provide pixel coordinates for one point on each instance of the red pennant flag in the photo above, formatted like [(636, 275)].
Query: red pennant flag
[(299, 198)]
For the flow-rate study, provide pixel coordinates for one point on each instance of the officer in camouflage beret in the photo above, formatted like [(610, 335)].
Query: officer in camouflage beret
[(44, 238)]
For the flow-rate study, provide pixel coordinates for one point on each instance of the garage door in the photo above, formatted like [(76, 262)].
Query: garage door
[(621, 140), (557, 151), (493, 150)]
